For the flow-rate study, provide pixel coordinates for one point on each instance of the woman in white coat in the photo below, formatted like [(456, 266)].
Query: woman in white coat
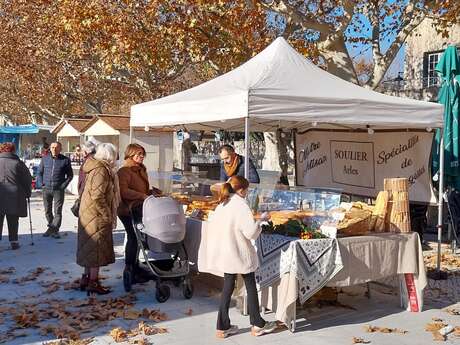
[(230, 251)]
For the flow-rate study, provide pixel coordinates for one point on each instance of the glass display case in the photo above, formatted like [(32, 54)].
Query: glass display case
[(311, 207)]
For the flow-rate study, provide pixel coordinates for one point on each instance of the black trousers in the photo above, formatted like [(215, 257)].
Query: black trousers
[(131, 250), (223, 320), (13, 226), (53, 198)]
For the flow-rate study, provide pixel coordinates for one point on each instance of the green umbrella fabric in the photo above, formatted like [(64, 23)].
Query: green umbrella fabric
[(449, 69)]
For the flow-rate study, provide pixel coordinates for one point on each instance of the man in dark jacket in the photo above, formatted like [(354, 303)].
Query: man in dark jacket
[(15, 188), (55, 172), (233, 165)]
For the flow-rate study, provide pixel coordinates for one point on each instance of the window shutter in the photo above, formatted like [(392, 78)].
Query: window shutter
[(425, 70)]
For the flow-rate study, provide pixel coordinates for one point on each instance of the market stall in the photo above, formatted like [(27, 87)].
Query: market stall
[(279, 88)]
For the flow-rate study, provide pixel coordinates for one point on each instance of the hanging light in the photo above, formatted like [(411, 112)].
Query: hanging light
[(146, 128), (370, 131), (314, 123), (429, 129)]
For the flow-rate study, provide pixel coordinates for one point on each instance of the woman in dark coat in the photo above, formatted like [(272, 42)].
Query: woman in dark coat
[(15, 188)]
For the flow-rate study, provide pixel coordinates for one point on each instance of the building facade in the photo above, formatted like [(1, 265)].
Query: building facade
[(423, 50)]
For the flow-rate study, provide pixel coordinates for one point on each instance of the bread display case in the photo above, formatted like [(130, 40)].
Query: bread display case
[(293, 210)]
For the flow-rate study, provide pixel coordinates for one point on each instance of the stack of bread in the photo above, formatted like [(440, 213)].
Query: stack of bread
[(282, 217), (356, 220), (201, 206)]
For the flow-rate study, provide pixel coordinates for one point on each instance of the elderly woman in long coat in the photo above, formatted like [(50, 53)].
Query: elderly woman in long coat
[(98, 216), (15, 188)]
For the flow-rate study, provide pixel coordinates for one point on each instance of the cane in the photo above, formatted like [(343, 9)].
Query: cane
[(30, 223)]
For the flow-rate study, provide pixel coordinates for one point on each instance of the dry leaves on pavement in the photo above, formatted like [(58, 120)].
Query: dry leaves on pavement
[(33, 275), (373, 329), (119, 335), (189, 312), (154, 315), (356, 340), (434, 326)]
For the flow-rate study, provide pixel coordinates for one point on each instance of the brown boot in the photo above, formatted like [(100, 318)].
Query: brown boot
[(95, 287), (84, 280)]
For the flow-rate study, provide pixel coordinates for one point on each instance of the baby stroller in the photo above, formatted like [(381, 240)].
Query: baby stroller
[(160, 231)]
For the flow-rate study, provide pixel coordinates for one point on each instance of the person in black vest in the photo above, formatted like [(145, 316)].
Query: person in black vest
[(56, 173), (233, 165), (15, 188)]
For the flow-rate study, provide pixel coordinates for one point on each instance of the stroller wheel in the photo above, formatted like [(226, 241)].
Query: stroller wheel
[(187, 289), (162, 293), (127, 280)]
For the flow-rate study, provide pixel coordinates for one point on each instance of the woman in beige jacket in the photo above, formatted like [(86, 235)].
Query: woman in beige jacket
[(97, 217), (230, 251)]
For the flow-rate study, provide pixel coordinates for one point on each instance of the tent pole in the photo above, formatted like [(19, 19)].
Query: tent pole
[(246, 147), (131, 134), (440, 197)]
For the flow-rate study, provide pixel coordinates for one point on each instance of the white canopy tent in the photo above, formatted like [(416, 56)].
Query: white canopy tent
[(280, 88)]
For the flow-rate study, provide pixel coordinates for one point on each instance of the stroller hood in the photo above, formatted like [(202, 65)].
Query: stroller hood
[(163, 219)]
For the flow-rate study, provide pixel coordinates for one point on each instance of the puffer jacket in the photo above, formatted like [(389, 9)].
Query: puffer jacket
[(55, 173), (96, 216), (134, 185)]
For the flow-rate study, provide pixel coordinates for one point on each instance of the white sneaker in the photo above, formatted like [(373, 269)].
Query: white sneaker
[(224, 334), (268, 328)]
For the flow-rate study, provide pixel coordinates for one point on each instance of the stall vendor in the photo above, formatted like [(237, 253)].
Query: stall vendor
[(233, 165)]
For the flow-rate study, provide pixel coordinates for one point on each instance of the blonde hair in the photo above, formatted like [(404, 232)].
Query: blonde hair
[(133, 149), (233, 185), (106, 152)]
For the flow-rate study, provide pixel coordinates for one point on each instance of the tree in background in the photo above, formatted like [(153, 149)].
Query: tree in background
[(337, 27)]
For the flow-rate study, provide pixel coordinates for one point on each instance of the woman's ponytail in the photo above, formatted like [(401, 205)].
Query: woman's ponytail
[(224, 193), (233, 185)]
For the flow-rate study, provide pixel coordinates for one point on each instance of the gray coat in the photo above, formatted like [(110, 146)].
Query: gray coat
[(15, 185)]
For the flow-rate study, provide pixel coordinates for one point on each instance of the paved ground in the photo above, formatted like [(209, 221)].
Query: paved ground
[(47, 301)]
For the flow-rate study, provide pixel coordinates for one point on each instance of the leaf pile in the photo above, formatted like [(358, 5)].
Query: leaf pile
[(120, 335), (69, 319)]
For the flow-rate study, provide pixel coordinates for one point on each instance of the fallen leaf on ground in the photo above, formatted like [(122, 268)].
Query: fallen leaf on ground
[(189, 312), (356, 340), (456, 331), (437, 319), (141, 341), (4, 279), (118, 335), (65, 272), (452, 311), (131, 314), (9, 270), (373, 329), (154, 315), (434, 326), (69, 342), (151, 330), (438, 336)]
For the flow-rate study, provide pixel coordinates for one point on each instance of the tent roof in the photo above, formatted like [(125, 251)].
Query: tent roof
[(280, 88), (21, 129)]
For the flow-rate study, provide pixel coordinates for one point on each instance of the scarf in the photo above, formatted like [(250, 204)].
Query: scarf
[(230, 169)]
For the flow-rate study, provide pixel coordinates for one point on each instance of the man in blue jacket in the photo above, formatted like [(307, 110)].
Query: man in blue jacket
[(55, 172), (233, 164)]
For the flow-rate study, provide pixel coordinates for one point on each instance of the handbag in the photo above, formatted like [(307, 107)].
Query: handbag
[(75, 207)]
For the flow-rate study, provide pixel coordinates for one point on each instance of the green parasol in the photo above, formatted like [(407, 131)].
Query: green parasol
[(449, 69)]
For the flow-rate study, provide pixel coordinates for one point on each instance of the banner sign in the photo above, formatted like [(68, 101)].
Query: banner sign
[(357, 163)]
